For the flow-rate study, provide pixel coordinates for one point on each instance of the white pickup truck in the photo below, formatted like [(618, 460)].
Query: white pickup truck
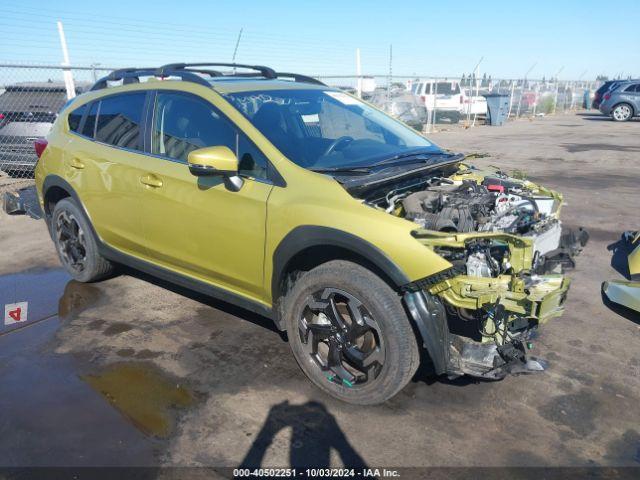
[(473, 104), (443, 95)]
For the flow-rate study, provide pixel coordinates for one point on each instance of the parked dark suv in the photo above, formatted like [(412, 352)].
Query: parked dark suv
[(604, 88), (622, 102), (27, 111)]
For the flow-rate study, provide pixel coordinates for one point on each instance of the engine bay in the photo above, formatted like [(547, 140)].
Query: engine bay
[(467, 202)]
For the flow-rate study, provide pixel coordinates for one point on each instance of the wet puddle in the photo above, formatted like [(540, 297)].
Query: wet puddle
[(143, 394), (47, 395), (41, 288)]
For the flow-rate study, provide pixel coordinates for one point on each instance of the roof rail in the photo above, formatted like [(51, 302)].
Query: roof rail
[(264, 71), (132, 75), (299, 78), (187, 72)]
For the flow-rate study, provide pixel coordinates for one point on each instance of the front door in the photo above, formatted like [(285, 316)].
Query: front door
[(196, 225)]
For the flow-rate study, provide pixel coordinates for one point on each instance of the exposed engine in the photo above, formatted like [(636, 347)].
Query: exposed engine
[(496, 205), (470, 207)]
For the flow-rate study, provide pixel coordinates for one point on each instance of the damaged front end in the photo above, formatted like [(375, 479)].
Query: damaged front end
[(508, 253), (478, 317)]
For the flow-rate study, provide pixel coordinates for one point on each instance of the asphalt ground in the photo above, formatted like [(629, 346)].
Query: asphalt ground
[(134, 371)]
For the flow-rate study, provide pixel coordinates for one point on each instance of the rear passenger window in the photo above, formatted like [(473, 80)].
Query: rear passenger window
[(119, 120), (89, 126), (75, 117)]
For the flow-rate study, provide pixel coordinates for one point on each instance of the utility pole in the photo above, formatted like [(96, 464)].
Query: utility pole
[(66, 72), (555, 96), (93, 71), (476, 71)]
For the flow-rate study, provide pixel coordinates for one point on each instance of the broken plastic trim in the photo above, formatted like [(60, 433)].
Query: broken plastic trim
[(22, 202), (455, 355)]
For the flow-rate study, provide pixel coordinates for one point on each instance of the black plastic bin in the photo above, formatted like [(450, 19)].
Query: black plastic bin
[(497, 108)]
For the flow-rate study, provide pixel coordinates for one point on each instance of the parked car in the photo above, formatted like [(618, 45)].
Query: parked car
[(622, 102), (473, 104), (604, 88), (401, 104), (444, 96), (27, 111), (298, 201)]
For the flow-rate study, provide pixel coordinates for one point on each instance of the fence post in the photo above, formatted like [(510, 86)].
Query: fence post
[(513, 84)]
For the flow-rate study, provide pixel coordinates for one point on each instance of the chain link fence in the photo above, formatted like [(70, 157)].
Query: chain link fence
[(32, 95), (30, 98)]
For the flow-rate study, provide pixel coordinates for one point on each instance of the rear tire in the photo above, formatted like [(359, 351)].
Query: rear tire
[(76, 245), (349, 333), (623, 112)]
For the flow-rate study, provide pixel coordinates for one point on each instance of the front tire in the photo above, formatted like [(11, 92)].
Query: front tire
[(622, 112), (75, 244), (349, 333)]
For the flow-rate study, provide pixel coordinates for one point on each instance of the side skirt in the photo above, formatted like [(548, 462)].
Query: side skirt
[(184, 281)]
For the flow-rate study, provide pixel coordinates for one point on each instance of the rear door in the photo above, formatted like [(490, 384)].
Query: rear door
[(103, 163), (632, 95), (196, 225)]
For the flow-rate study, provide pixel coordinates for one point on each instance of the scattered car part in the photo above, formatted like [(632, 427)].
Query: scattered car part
[(627, 293), (22, 201)]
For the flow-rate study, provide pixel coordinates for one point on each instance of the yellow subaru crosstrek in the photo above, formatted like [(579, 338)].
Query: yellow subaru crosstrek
[(372, 247)]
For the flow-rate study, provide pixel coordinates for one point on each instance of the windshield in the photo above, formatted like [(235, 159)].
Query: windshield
[(327, 129)]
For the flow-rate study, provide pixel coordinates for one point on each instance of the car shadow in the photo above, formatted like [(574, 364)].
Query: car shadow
[(225, 307), (314, 433), (598, 118)]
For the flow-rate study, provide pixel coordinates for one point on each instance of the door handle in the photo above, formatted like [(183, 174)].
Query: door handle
[(77, 164), (151, 180)]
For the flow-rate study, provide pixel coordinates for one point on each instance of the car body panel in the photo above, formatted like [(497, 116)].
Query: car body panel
[(623, 293), (627, 293), (198, 227)]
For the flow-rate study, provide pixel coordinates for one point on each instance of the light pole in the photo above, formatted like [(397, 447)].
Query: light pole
[(555, 97), (522, 88)]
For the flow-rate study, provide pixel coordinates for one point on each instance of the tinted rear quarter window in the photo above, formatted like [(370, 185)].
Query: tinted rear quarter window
[(89, 126), (75, 117), (119, 120)]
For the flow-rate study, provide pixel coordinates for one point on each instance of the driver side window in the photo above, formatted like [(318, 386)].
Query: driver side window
[(183, 123)]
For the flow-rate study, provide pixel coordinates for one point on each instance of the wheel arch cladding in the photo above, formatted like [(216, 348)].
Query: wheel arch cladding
[(306, 247), (54, 189)]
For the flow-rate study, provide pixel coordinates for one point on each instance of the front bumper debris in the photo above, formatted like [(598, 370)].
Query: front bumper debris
[(561, 259), (509, 310), (623, 293), (22, 202)]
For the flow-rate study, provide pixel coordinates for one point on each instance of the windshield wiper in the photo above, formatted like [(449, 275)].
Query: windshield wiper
[(418, 156), (342, 170)]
